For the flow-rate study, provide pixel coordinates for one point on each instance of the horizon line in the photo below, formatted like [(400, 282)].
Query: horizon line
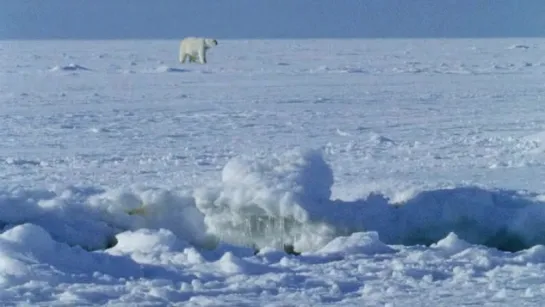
[(271, 38)]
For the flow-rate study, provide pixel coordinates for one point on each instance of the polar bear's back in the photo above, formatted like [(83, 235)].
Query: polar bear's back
[(192, 42), (191, 38)]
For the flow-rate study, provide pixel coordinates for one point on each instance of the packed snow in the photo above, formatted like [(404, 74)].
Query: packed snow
[(296, 173)]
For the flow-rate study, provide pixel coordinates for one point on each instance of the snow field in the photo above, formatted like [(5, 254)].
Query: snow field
[(403, 171)]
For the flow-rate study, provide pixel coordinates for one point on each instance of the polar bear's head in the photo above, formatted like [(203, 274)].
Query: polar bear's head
[(210, 42)]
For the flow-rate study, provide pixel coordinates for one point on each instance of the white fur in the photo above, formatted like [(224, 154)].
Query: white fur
[(195, 48)]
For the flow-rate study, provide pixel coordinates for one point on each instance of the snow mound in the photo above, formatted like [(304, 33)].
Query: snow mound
[(137, 208), (355, 70), (164, 69), (452, 244), (285, 200), (338, 70), (28, 254), (32, 236), (538, 141), (70, 67), (63, 215), (377, 139), (233, 265), (519, 46), (270, 202), (147, 241), (91, 218), (410, 70), (508, 220), (357, 243)]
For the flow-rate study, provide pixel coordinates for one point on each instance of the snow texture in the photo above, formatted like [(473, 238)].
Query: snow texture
[(301, 173)]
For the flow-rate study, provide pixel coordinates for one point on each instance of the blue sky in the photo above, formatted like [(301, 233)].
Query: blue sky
[(165, 19)]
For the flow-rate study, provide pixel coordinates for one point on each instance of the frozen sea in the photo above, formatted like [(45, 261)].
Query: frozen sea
[(402, 172)]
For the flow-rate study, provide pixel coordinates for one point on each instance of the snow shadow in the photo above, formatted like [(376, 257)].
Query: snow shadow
[(502, 219)]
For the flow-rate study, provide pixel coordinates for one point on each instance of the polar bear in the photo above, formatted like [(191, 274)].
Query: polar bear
[(195, 47)]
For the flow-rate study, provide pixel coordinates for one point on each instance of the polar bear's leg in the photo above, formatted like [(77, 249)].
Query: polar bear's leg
[(182, 54), (202, 56), (183, 57)]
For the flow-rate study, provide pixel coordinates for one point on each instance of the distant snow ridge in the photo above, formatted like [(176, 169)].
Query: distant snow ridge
[(538, 140), (70, 67), (345, 69), (519, 46), (378, 139)]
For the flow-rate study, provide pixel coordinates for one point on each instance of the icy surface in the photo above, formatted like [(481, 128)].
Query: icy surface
[(399, 171)]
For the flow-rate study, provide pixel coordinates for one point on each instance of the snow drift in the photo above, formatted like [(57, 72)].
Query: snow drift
[(69, 67), (278, 201)]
